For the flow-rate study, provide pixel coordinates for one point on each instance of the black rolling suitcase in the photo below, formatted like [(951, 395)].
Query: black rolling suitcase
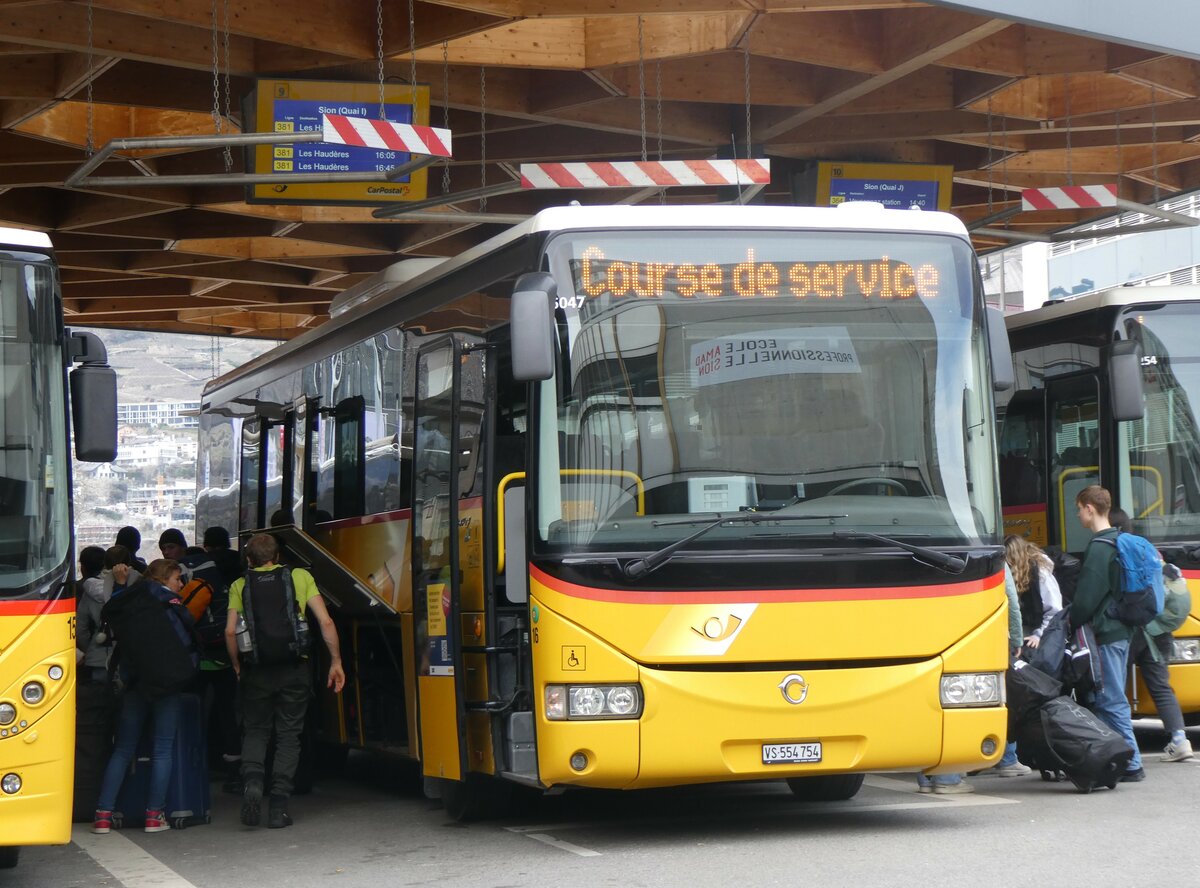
[(1067, 737), (188, 795)]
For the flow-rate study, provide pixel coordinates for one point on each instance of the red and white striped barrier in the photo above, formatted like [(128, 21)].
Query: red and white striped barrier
[(365, 132), (643, 173), (1069, 197)]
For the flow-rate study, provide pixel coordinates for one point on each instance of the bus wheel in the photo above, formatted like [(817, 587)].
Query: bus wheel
[(479, 797), (826, 788), (8, 856)]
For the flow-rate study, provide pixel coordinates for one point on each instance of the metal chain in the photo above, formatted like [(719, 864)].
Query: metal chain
[(1154, 137), (746, 82), (1067, 109), (642, 84), (412, 51), (989, 154), (483, 136), (228, 114), (1004, 155), (662, 192), (216, 72), (1120, 153), (379, 53), (446, 110), (91, 106)]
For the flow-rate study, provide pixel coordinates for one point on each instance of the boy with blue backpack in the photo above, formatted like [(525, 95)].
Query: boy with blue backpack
[(1098, 600)]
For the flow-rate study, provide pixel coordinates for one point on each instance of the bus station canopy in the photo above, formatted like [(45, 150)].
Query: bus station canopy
[(1011, 95)]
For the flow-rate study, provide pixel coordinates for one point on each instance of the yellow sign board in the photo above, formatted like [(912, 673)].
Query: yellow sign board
[(293, 106), (895, 185)]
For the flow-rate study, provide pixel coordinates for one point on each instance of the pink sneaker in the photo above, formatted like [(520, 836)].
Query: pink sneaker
[(102, 823), (156, 822)]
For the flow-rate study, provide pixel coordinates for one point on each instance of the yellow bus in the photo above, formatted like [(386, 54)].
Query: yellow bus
[(645, 496), (1103, 396), (37, 602)]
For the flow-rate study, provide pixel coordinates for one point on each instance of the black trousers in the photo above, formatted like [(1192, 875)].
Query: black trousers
[(274, 696), (1154, 673)]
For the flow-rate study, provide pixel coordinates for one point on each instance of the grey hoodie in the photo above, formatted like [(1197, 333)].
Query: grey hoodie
[(95, 594)]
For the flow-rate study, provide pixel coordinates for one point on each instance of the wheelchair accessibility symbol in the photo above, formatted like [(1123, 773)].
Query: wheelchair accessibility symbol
[(574, 658)]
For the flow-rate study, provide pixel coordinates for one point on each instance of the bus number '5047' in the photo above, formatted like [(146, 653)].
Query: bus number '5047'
[(569, 302)]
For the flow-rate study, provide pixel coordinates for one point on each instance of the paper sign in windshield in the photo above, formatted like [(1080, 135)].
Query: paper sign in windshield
[(777, 353)]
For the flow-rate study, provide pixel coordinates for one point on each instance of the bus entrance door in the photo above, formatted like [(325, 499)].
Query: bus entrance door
[(435, 559)]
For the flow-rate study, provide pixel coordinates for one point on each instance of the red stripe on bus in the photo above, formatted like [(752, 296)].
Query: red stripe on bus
[(754, 596), (37, 607), (1191, 574)]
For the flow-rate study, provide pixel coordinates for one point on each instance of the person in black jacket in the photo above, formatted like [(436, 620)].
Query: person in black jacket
[(144, 697)]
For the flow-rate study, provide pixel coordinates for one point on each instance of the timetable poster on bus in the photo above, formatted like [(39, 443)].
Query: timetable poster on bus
[(296, 106)]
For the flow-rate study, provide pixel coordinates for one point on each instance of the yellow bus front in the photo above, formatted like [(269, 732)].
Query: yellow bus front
[(37, 720), (737, 686), (765, 522)]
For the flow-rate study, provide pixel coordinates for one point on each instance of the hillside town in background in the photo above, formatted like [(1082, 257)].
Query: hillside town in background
[(152, 483)]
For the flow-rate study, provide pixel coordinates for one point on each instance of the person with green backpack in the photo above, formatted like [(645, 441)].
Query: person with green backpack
[(1150, 649)]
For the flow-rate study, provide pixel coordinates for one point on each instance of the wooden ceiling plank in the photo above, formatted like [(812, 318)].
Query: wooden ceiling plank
[(848, 40), (28, 76), (65, 26), (1171, 76), (719, 77), (614, 40), (85, 211), (559, 43), (140, 288), (331, 26)]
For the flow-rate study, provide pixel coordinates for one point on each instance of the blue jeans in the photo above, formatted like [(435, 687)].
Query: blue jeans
[(134, 711), (1110, 703), (939, 780), (1010, 755)]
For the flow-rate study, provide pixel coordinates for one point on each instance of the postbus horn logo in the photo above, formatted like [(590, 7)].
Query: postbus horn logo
[(715, 629), (794, 689)]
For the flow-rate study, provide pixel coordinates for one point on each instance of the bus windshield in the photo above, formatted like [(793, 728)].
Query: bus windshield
[(34, 524), (828, 373), (1159, 455)]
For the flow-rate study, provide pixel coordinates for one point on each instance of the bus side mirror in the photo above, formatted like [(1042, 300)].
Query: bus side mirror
[(93, 399), (1004, 376), (532, 327), (1125, 391)]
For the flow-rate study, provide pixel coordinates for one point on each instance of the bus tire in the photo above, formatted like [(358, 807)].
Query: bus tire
[(479, 797), (8, 856), (826, 787)]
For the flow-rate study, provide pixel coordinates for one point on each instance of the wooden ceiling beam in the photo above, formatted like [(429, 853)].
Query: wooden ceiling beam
[(271, 248), (842, 40), (1170, 76), (81, 210), (141, 288), (912, 39), (719, 77)]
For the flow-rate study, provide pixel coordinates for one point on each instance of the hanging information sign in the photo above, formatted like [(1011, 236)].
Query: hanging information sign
[(297, 106)]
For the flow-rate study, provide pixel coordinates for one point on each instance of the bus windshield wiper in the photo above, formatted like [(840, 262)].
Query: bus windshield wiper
[(932, 557), (639, 567)]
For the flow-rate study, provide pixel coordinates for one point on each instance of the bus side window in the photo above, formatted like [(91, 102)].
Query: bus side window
[(348, 458)]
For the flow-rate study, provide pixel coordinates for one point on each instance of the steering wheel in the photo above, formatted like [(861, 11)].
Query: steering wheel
[(890, 483)]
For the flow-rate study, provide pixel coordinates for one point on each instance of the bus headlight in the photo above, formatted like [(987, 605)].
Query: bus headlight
[(8, 713), (11, 783), (1185, 650), (972, 689), (584, 702), (33, 693)]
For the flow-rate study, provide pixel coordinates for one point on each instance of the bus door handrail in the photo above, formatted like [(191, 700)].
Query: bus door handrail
[(520, 476), (1075, 470)]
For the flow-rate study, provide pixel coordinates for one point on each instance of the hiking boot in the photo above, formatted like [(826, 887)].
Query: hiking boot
[(1135, 776), (277, 816), (156, 821), (1014, 770), (1178, 752), (960, 788), (252, 802), (102, 824)]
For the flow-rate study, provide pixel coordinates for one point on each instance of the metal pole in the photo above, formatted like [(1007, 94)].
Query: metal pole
[(486, 191), (1008, 234), (1177, 218)]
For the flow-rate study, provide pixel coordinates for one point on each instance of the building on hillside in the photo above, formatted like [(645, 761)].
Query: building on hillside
[(173, 414)]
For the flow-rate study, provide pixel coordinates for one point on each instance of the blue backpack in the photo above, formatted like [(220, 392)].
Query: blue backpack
[(1142, 590)]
